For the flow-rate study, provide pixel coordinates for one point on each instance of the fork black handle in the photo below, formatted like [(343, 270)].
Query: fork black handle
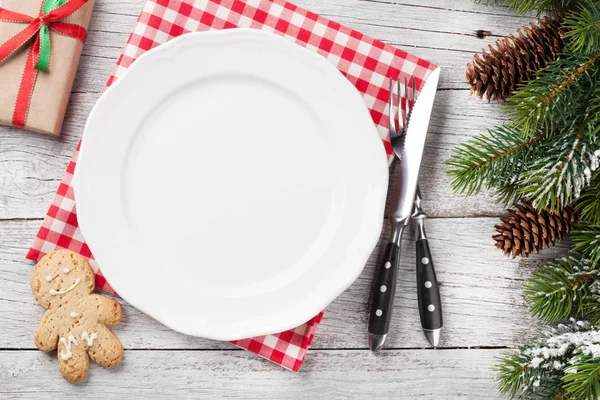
[(384, 290)]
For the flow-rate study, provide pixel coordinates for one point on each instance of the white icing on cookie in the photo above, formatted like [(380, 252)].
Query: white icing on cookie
[(66, 270), (54, 292), (49, 278), (65, 356), (73, 314), (89, 338)]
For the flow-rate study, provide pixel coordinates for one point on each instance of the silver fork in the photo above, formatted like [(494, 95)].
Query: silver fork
[(384, 288), (398, 134)]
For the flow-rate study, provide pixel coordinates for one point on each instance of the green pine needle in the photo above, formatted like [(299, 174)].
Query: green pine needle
[(557, 96), (592, 303), (523, 6), (492, 161), (564, 363), (550, 150), (551, 172), (586, 241), (582, 29), (562, 91), (516, 379), (560, 289), (511, 373), (582, 380), (588, 204), (562, 167)]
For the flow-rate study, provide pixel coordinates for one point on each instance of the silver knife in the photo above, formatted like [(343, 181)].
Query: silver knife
[(409, 152)]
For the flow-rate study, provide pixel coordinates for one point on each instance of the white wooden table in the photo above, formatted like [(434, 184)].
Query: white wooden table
[(484, 311)]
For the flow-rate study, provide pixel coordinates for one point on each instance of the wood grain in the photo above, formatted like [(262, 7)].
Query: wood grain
[(336, 374), (33, 165), (481, 290), (27, 187)]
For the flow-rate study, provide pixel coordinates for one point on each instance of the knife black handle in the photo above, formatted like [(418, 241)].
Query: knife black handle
[(384, 289), (428, 291)]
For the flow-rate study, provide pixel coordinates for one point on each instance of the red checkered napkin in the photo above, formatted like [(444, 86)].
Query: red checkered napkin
[(366, 63)]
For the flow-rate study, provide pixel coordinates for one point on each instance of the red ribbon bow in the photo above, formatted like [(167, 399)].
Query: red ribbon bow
[(37, 60)]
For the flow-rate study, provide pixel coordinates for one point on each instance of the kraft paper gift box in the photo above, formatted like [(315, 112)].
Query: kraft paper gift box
[(32, 98)]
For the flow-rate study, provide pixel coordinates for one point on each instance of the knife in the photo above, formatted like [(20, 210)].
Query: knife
[(409, 152), (428, 291)]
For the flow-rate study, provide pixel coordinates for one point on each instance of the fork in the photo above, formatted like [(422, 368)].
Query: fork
[(384, 287), (398, 134)]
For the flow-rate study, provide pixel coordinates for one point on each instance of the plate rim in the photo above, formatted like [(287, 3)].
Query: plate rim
[(352, 274)]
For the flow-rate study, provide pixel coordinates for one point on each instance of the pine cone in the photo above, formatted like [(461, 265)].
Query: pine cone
[(525, 230), (515, 59)]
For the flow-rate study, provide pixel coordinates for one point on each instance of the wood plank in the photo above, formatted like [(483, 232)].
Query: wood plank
[(481, 291), (475, 9), (411, 26), (408, 26), (339, 374), (33, 165)]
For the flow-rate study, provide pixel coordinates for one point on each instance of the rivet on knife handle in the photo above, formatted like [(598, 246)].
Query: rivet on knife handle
[(430, 303)]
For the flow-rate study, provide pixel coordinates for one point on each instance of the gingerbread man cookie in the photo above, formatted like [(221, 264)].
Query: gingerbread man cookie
[(75, 321)]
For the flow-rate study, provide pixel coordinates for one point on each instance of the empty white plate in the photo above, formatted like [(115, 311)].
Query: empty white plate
[(231, 184)]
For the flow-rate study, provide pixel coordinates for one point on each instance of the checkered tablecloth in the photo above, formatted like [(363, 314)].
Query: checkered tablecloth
[(366, 62)]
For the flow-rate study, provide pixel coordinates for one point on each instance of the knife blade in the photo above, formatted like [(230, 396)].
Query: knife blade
[(400, 210)]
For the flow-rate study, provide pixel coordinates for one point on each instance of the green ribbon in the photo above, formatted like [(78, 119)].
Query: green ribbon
[(43, 63)]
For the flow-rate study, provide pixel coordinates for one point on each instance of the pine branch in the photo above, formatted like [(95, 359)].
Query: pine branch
[(555, 180), (516, 378), (592, 303), (558, 94), (588, 203), (557, 115), (562, 364), (582, 29), (492, 161), (523, 6), (586, 242), (563, 167), (553, 96), (560, 289), (582, 380), (570, 285), (552, 172)]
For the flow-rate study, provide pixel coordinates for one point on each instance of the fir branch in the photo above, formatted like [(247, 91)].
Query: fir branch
[(552, 172), (517, 379), (559, 93), (560, 289), (582, 29), (588, 203), (582, 380), (586, 242), (511, 372), (524, 6), (492, 161), (592, 303), (562, 364), (564, 164)]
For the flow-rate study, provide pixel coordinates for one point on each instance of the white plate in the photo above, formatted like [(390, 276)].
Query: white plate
[(231, 184)]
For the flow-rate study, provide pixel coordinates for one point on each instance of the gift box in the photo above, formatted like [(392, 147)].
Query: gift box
[(40, 46)]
